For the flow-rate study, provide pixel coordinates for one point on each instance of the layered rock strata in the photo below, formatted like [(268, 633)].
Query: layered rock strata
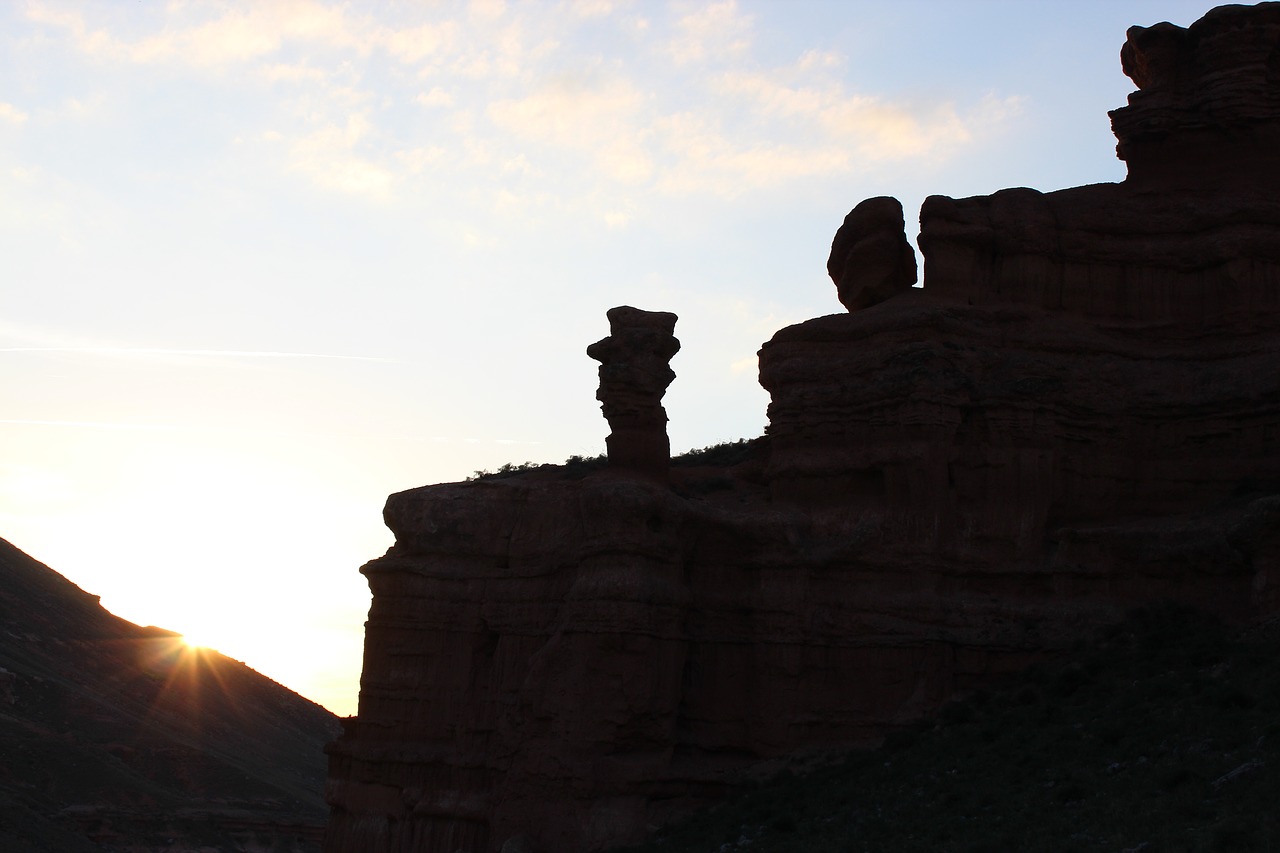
[(1207, 100), (1078, 413)]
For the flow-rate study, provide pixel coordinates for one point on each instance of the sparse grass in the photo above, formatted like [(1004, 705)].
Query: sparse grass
[(726, 454), (1162, 736), (575, 467)]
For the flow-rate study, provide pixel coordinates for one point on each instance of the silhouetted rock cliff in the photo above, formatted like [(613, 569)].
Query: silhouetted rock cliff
[(1077, 414)]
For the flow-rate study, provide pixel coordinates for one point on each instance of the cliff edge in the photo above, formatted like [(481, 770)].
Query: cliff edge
[(1077, 414)]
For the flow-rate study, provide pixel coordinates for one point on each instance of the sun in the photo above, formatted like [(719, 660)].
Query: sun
[(196, 642)]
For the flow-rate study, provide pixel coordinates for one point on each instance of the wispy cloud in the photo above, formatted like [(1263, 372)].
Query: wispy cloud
[(710, 32), (602, 119), (292, 73), (592, 8), (210, 35), (869, 126), (428, 42), (437, 97), (331, 156), (11, 114), (496, 83)]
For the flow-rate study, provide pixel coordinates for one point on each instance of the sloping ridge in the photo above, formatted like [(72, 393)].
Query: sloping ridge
[(119, 735)]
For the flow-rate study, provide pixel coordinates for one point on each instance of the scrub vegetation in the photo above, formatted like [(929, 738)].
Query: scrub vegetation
[(726, 454)]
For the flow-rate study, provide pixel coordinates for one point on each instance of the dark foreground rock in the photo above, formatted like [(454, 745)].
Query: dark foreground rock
[(1079, 413), (1158, 734), (119, 738)]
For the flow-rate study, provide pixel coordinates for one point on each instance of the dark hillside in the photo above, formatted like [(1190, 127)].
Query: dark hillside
[(1162, 736), (117, 737)]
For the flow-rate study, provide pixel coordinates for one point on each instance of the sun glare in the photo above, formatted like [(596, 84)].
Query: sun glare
[(195, 641)]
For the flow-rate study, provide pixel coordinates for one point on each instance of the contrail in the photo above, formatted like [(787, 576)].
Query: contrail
[(177, 428), (188, 428), (93, 424), (224, 353)]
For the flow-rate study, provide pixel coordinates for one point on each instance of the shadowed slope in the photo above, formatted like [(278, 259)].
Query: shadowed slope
[(110, 732), (1160, 735)]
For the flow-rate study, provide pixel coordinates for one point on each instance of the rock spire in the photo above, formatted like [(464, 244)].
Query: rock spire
[(634, 374)]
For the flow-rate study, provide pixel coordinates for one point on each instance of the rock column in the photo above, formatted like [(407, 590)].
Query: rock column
[(634, 374)]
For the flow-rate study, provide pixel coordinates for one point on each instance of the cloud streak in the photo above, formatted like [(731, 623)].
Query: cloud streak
[(89, 424)]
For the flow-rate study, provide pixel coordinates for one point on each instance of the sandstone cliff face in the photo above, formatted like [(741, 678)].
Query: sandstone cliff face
[(1078, 413)]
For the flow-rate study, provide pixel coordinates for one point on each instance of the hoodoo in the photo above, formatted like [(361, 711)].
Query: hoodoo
[(1078, 413), (633, 377)]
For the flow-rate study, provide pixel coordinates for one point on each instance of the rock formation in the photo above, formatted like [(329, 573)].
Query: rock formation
[(633, 377), (871, 259), (1078, 413), (1207, 101)]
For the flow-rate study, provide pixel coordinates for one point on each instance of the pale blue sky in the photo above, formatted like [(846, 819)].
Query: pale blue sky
[(264, 263)]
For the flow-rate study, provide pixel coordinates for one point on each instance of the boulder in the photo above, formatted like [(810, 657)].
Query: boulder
[(871, 259)]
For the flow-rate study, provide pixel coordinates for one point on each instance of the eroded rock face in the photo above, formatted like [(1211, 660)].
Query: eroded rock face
[(1208, 99), (1192, 236), (1077, 414)]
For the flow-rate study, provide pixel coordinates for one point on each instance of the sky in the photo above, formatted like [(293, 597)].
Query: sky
[(263, 264)]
